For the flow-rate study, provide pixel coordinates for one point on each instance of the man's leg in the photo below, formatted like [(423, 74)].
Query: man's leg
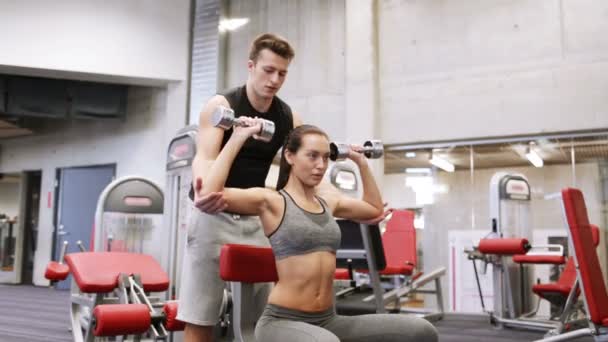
[(201, 289), (198, 333)]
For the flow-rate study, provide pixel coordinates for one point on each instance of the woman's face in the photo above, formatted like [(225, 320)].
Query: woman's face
[(309, 163)]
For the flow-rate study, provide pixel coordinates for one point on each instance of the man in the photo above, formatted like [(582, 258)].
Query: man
[(210, 227), (201, 287)]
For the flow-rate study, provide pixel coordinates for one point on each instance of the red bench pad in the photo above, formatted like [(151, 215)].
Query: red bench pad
[(341, 274), (97, 272), (121, 319), (247, 264), (56, 271), (171, 321), (543, 289), (539, 259), (405, 269), (504, 246)]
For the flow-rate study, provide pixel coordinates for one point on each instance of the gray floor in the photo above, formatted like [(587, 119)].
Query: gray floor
[(466, 328), (29, 313)]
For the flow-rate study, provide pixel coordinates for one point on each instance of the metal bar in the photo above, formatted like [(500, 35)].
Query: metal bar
[(568, 336), (483, 307), (489, 141), (64, 248), (373, 271)]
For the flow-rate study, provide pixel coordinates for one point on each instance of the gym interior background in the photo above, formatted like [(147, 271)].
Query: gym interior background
[(477, 83)]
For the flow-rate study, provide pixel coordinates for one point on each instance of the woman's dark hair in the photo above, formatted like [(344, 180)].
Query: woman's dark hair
[(292, 144)]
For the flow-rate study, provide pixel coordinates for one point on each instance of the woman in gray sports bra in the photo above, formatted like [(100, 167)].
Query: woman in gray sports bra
[(299, 222)]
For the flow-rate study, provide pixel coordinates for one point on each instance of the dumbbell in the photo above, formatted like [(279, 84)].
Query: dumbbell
[(372, 149), (224, 118)]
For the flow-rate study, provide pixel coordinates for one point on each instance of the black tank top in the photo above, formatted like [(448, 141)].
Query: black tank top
[(251, 165)]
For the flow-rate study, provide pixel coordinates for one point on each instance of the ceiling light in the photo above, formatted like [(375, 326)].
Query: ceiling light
[(442, 164), (232, 24), (419, 170), (410, 154), (534, 158)]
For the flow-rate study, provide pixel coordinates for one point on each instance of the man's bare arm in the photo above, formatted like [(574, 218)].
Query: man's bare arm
[(207, 149)]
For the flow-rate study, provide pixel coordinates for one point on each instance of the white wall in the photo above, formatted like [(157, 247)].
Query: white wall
[(137, 146), (453, 69), (139, 40), (10, 193), (130, 42), (315, 83), (445, 70)]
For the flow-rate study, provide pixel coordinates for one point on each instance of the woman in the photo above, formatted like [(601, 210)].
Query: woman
[(304, 236)]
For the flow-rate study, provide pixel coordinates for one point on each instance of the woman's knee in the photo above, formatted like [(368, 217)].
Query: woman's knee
[(269, 331), (424, 330)]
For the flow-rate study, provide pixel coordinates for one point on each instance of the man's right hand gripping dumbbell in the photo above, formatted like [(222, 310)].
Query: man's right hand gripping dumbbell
[(224, 118)]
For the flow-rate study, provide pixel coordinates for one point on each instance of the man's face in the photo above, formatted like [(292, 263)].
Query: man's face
[(267, 73)]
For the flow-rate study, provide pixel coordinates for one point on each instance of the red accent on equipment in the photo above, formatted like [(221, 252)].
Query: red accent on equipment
[(563, 286), (247, 264), (97, 272), (504, 246), (171, 322), (586, 256), (399, 241), (56, 271), (341, 274), (121, 319), (539, 259)]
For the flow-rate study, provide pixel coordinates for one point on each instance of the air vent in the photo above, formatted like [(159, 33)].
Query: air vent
[(97, 101)]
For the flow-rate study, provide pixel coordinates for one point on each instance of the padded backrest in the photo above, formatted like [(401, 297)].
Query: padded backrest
[(399, 239), (247, 264), (586, 256), (568, 275)]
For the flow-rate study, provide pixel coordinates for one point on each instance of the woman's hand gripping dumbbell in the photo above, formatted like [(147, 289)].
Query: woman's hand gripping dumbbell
[(224, 118), (372, 149)]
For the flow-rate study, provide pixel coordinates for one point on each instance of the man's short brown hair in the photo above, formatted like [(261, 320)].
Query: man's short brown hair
[(272, 42)]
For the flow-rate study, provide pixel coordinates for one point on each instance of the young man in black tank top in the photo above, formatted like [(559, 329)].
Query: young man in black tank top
[(210, 227), (201, 289)]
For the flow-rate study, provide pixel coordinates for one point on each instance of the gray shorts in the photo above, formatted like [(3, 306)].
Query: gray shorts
[(201, 288)]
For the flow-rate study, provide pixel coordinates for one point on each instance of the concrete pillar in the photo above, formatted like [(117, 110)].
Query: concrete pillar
[(362, 84)]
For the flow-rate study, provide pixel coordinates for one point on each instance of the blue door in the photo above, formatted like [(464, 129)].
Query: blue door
[(79, 189)]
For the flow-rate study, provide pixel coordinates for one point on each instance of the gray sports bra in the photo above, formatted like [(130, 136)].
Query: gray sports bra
[(301, 232)]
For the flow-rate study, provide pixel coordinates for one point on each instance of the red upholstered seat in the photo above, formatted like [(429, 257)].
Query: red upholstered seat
[(399, 242), (589, 269), (539, 259), (247, 264), (558, 292), (605, 322), (97, 272), (546, 290)]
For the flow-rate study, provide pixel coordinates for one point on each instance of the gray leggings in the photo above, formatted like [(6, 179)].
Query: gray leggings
[(282, 324)]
